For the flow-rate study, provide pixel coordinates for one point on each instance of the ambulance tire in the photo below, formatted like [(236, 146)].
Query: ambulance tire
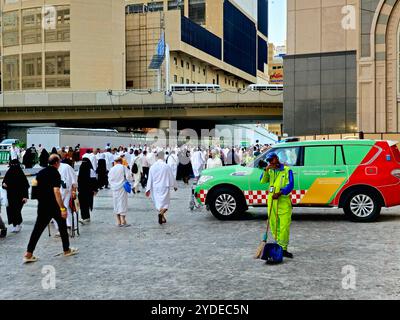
[(362, 206), (226, 203)]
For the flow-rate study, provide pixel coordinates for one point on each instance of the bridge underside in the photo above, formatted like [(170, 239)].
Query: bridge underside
[(142, 116)]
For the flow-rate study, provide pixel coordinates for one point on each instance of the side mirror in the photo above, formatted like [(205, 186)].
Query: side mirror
[(262, 164)]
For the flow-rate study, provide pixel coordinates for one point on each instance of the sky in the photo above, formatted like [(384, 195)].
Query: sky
[(277, 22)]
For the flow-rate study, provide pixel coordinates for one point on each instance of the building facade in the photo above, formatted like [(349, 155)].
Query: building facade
[(62, 45), (222, 42), (342, 69), (320, 93), (275, 63)]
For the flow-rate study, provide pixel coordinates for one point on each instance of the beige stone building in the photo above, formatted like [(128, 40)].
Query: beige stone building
[(205, 42), (62, 45), (275, 66), (342, 68)]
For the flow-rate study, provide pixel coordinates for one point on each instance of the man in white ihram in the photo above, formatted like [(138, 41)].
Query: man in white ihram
[(197, 163), (69, 183), (116, 178), (159, 184)]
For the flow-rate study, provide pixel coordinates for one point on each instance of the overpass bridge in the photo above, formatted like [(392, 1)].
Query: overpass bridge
[(136, 106)]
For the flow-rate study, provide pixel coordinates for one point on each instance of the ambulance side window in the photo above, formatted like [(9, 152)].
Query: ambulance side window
[(288, 156)]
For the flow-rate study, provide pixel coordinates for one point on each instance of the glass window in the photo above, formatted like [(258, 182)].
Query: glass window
[(10, 28), (61, 31), (197, 11), (287, 156), (11, 73), (134, 8), (155, 6), (175, 78), (319, 156), (57, 70), (32, 26), (177, 4), (32, 71)]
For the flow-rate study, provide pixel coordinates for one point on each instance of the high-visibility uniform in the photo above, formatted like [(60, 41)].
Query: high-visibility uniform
[(282, 181)]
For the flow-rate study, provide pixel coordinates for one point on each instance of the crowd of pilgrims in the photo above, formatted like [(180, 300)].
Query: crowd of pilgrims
[(95, 164)]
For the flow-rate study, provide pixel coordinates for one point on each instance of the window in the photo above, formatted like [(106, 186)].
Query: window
[(61, 32), (182, 64), (175, 61), (155, 6), (175, 78), (213, 81), (204, 71), (319, 156), (32, 26), (187, 81), (187, 65), (197, 11), (177, 4), (32, 71), (57, 70), (11, 73), (10, 28), (287, 156), (182, 80), (193, 68), (134, 8)]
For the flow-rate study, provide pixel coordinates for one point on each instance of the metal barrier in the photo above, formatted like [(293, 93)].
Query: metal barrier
[(4, 157)]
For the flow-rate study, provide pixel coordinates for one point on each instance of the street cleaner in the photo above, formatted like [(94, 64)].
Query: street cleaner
[(281, 185)]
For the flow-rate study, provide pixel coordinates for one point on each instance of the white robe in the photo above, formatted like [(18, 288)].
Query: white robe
[(69, 177), (197, 163), (116, 178), (109, 160), (160, 182), (172, 161), (214, 163)]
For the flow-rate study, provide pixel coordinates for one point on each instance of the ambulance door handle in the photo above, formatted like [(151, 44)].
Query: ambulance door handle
[(339, 171)]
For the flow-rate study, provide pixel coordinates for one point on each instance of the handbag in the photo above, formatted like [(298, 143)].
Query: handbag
[(127, 185)]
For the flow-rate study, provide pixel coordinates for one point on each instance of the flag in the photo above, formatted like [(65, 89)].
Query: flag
[(161, 46)]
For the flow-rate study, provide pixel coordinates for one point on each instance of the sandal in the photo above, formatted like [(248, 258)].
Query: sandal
[(31, 259), (72, 252), (160, 219)]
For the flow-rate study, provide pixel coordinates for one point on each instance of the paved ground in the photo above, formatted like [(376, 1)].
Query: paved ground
[(196, 256)]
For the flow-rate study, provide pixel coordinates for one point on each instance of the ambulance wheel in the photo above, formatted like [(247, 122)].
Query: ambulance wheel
[(362, 206), (226, 203)]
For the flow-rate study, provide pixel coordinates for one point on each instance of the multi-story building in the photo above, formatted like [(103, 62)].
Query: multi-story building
[(62, 45), (342, 68), (210, 41), (275, 64), (320, 93)]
